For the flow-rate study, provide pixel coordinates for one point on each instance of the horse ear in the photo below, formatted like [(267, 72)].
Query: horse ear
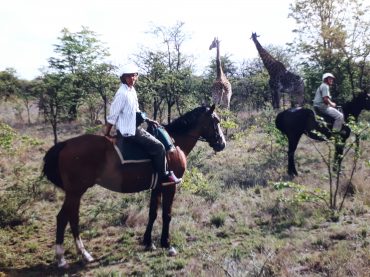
[(212, 108)]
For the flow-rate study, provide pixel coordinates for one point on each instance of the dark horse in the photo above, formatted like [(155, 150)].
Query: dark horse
[(298, 121), (81, 162)]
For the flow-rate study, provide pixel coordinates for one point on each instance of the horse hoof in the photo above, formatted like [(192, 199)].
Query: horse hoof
[(87, 257), (62, 264), (172, 251), (150, 247), (292, 173)]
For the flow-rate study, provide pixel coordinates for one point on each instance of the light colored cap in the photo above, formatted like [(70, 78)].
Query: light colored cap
[(128, 69), (326, 75)]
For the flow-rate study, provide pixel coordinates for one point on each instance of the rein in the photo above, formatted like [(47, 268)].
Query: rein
[(200, 138)]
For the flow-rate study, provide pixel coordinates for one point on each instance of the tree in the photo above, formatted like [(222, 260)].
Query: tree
[(54, 100), (334, 36), (177, 79), (103, 82), (151, 80), (9, 83), (27, 92), (77, 55)]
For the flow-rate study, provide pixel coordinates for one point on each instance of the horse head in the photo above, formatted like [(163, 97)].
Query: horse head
[(366, 100), (210, 129)]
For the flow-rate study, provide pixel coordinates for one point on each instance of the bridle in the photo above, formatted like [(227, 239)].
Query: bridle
[(215, 129)]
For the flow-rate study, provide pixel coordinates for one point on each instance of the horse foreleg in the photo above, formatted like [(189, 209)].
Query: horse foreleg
[(168, 196), (153, 207)]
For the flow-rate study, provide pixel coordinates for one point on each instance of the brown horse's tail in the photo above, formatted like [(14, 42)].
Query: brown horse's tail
[(51, 164)]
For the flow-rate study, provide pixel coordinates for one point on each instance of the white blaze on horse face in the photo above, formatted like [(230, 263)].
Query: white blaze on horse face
[(221, 134)]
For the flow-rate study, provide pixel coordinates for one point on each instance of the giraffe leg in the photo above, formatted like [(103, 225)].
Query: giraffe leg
[(275, 92)]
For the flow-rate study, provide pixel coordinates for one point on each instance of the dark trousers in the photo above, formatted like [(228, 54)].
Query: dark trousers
[(151, 145)]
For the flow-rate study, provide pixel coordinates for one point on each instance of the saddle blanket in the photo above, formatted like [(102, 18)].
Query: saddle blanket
[(132, 153)]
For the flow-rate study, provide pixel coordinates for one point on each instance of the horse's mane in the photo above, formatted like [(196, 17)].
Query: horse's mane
[(187, 121)]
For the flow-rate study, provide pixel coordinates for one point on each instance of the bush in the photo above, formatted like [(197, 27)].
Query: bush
[(196, 183), (11, 210)]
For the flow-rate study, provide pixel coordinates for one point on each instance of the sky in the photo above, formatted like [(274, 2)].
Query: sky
[(29, 29)]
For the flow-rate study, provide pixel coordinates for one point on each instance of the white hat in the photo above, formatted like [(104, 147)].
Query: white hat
[(326, 75), (128, 69)]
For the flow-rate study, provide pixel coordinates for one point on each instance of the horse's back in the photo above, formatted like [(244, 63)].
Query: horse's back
[(295, 120)]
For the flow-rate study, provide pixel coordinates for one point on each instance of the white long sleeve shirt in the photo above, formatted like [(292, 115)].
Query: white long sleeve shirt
[(123, 110)]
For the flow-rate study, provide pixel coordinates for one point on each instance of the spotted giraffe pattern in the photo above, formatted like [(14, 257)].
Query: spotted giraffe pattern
[(221, 88), (280, 78)]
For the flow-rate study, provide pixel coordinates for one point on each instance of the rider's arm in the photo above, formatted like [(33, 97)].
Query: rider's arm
[(108, 127), (151, 121), (328, 102)]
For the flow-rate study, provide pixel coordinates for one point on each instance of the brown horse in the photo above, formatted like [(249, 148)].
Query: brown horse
[(81, 162)]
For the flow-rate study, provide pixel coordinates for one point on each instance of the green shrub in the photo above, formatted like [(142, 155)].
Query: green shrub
[(7, 136), (11, 210), (196, 183)]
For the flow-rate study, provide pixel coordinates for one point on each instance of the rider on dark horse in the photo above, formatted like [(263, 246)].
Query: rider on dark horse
[(324, 105), (123, 114)]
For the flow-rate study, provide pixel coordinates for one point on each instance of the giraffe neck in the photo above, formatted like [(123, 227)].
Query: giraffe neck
[(218, 62), (268, 61)]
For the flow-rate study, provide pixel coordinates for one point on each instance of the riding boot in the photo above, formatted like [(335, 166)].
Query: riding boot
[(170, 179)]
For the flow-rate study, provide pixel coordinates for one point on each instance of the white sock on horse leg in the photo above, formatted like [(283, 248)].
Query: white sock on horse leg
[(59, 252), (81, 248)]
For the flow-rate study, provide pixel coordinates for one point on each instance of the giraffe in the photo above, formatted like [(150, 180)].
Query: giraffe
[(280, 78), (221, 88)]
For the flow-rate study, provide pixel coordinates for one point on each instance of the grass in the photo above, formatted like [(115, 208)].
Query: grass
[(227, 218)]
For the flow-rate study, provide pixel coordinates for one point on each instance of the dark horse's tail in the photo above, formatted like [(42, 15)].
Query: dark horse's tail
[(51, 164)]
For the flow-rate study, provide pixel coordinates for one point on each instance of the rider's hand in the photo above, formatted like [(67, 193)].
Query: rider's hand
[(153, 122), (109, 137)]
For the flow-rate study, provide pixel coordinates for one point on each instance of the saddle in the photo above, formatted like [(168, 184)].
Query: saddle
[(325, 119), (133, 153), (326, 123)]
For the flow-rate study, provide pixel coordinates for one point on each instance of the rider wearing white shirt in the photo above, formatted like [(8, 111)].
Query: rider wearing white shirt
[(123, 111)]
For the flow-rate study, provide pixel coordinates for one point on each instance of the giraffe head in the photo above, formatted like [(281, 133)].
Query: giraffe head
[(214, 43), (254, 36)]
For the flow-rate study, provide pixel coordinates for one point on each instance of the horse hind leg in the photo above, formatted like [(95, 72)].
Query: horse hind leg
[(62, 220), (69, 212), (74, 223)]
